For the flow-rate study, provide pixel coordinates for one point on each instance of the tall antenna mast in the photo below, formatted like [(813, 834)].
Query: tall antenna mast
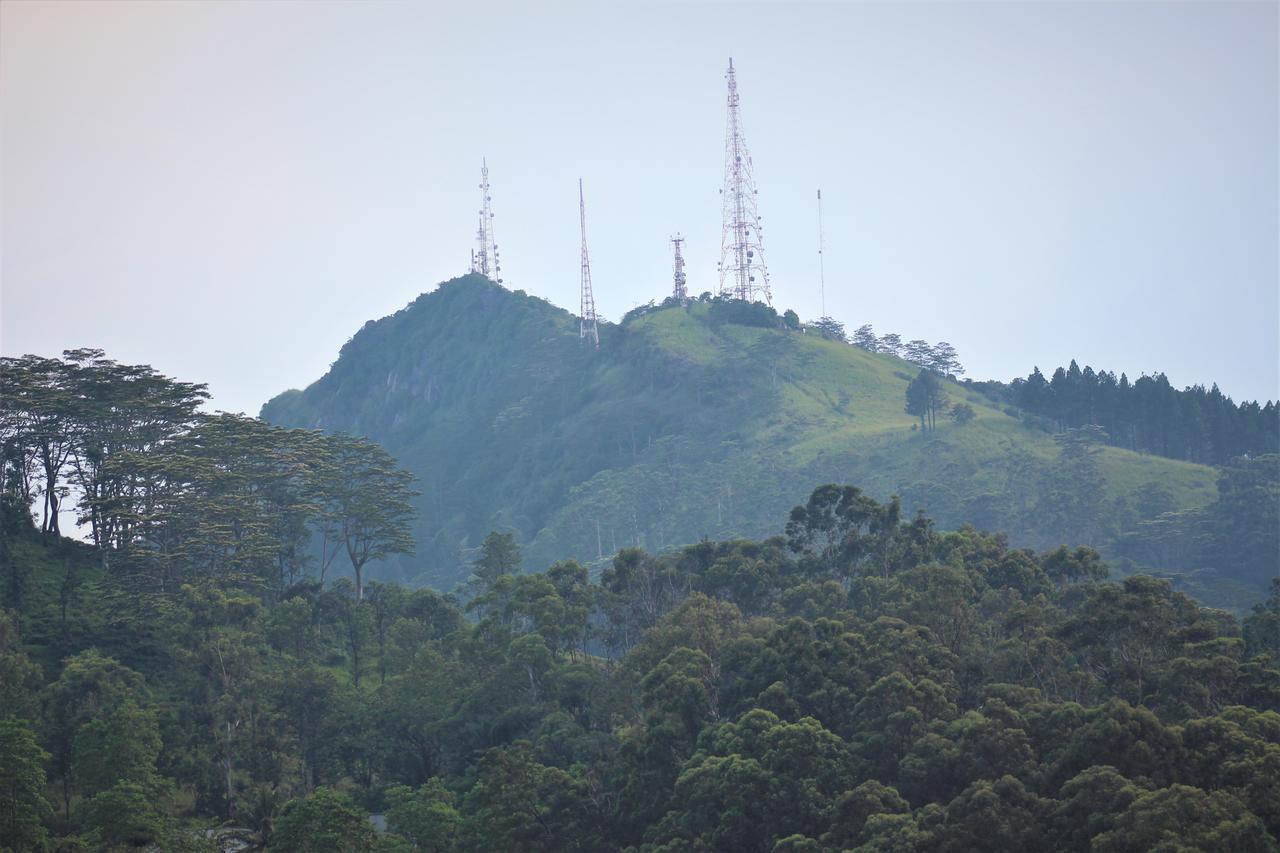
[(742, 270), (680, 291), (484, 258), (587, 329), (822, 275)]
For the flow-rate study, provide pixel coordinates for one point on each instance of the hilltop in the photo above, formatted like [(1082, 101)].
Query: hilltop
[(687, 424)]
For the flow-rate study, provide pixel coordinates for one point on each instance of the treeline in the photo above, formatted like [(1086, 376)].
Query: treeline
[(1147, 415), (861, 682), (941, 357), (168, 492)]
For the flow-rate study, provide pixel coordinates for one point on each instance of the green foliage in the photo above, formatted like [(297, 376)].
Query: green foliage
[(425, 817), (1181, 817), (124, 816), (962, 413), (691, 421), (926, 398), (1148, 415), (22, 803), (861, 682), (121, 745), (518, 803), (324, 821)]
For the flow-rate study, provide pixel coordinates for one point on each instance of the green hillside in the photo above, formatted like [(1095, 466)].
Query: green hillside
[(684, 425)]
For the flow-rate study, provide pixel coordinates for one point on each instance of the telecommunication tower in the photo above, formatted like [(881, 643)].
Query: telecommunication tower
[(680, 291), (587, 329), (742, 270), (484, 258)]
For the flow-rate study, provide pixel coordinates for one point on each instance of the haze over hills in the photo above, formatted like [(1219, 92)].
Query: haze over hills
[(690, 422)]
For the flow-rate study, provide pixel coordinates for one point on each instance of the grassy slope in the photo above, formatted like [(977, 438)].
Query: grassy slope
[(678, 428), (827, 412)]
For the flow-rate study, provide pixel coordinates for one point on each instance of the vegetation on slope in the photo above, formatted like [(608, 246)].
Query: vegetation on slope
[(861, 682), (705, 420)]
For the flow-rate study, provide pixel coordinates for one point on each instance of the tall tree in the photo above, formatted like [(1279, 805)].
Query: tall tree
[(890, 344), (366, 496), (926, 398), (120, 409), (37, 416), (22, 781), (918, 352), (945, 360), (864, 337)]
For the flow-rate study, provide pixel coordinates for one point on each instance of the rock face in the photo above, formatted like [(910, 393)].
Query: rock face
[(690, 421)]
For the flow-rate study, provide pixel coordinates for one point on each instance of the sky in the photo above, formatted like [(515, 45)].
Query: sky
[(229, 191)]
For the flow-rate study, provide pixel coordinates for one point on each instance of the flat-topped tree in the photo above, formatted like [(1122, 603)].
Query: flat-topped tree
[(366, 497)]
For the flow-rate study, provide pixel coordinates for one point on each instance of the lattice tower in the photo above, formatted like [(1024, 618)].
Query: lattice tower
[(742, 270), (679, 289), (587, 328), (484, 257)]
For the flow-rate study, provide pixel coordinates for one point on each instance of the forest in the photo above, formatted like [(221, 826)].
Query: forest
[(1149, 414), (212, 668)]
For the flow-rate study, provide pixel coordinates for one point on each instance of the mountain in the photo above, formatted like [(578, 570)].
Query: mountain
[(707, 420)]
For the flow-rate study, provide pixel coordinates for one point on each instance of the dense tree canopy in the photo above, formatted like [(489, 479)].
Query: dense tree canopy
[(861, 681), (1147, 414)]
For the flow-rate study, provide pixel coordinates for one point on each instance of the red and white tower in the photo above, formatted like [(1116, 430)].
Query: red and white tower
[(484, 257), (742, 270), (587, 329), (679, 289)]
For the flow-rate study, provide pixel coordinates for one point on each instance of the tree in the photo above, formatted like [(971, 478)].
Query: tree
[(120, 746), (944, 359), (854, 809), (22, 802), (829, 328), (355, 621), (890, 344), (1185, 818), (124, 815), (37, 413), (120, 409), (367, 502), (1262, 627), (324, 821), (962, 413), (426, 816), (926, 398), (864, 337), (918, 352), (1245, 519), (518, 803), (89, 687), (1066, 566), (19, 676), (1072, 495), (499, 556)]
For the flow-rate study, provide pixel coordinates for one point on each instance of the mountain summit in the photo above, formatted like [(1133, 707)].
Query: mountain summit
[(710, 419)]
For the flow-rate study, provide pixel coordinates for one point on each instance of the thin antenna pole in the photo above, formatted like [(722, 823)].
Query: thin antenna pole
[(822, 275), (587, 327)]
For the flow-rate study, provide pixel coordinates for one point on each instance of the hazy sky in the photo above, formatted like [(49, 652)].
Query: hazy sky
[(229, 191)]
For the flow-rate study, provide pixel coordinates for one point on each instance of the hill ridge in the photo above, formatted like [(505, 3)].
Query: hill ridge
[(685, 424)]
